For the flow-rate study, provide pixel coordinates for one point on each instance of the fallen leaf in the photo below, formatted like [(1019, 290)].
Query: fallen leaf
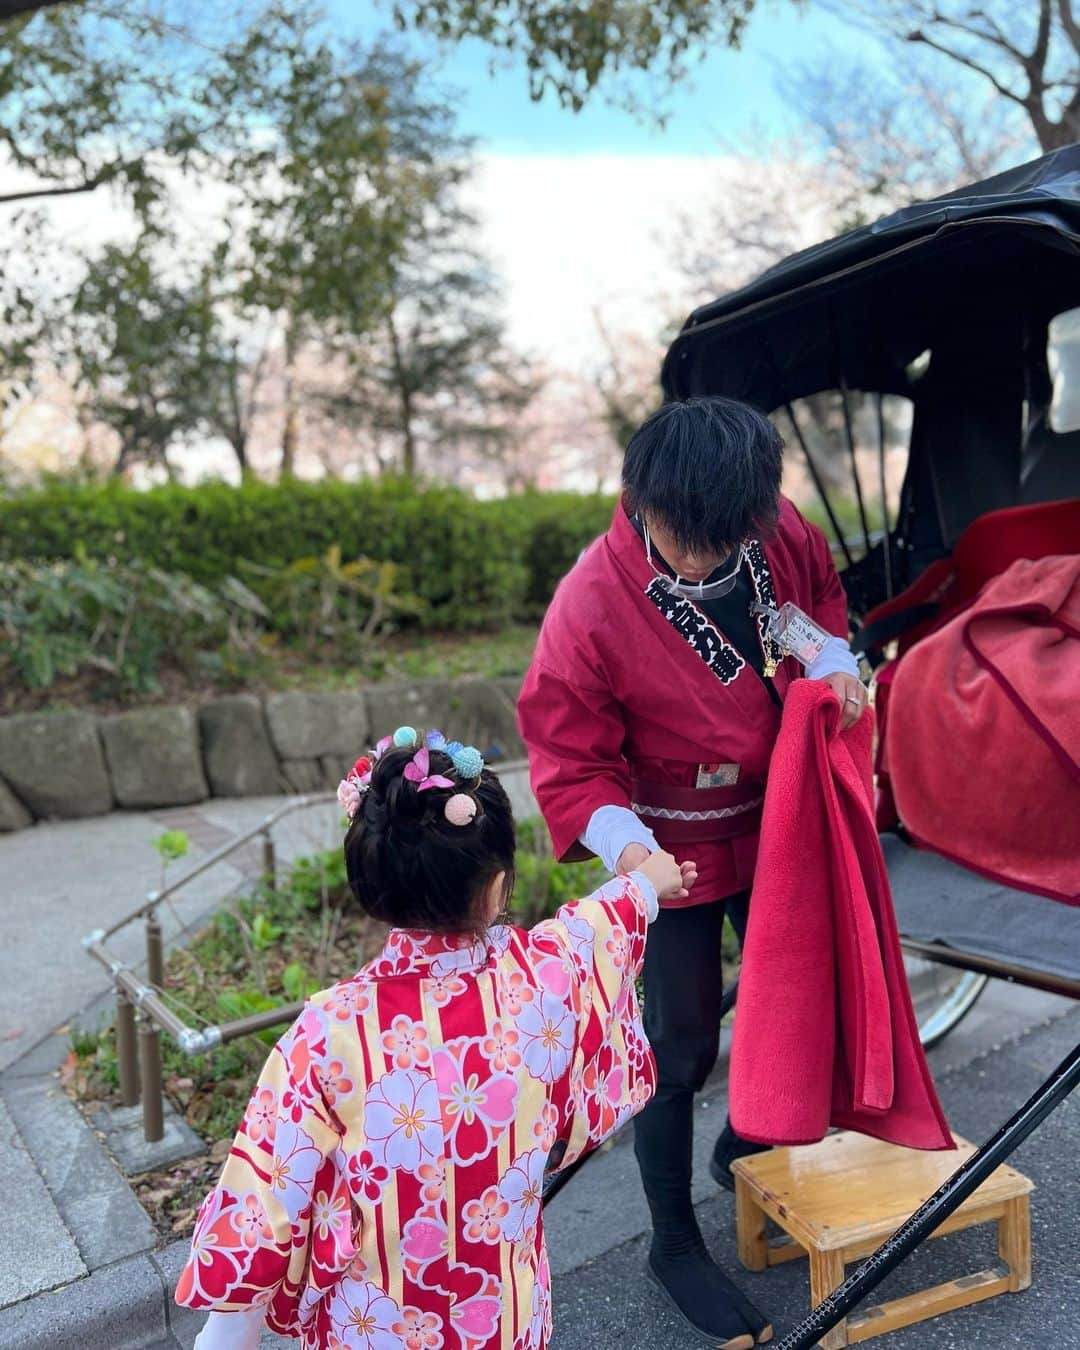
[(220, 1150), (183, 1221)]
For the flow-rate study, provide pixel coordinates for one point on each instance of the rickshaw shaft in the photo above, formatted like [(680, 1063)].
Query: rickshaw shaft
[(934, 1211)]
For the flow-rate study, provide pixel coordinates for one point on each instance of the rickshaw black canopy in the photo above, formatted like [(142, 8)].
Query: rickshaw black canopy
[(860, 308)]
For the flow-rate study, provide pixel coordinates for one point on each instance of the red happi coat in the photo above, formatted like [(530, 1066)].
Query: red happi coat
[(383, 1192), (632, 689)]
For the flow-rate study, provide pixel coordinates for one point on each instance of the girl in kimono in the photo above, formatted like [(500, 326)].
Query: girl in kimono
[(384, 1189), (650, 712)]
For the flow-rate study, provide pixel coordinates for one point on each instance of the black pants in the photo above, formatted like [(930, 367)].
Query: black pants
[(683, 991)]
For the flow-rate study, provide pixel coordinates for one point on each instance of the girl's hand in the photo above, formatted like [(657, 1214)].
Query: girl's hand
[(665, 874)]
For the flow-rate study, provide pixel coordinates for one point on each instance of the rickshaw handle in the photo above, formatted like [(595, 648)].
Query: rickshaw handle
[(948, 1197)]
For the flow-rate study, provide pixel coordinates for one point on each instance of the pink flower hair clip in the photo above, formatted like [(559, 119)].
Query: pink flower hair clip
[(418, 771), (352, 787)]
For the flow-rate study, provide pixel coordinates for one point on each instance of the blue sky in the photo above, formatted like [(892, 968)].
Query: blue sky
[(726, 94)]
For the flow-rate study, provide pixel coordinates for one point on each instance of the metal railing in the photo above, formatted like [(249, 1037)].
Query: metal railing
[(141, 1010)]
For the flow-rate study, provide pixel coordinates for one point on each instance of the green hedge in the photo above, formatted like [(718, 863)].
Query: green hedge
[(476, 564)]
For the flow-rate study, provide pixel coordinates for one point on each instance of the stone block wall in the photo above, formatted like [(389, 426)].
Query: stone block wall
[(64, 765)]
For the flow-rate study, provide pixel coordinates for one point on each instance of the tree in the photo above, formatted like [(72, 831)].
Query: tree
[(437, 375), (572, 49), (1028, 54)]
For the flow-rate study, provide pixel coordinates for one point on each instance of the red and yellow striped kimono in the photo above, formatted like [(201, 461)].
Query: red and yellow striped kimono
[(383, 1192)]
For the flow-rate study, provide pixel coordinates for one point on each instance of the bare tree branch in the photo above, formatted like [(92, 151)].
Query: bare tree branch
[(920, 37), (31, 194)]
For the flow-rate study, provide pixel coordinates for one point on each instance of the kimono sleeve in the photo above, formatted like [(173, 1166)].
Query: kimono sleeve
[(251, 1245), (590, 955), (574, 732)]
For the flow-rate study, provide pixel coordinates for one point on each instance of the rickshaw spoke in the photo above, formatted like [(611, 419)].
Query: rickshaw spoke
[(886, 542), (849, 432), (819, 484)]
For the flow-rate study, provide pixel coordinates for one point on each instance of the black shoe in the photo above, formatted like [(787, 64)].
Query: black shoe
[(730, 1146), (706, 1300)]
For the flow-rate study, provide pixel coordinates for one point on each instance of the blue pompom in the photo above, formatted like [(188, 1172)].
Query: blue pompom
[(435, 740), (453, 748), (405, 738), (469, 762)]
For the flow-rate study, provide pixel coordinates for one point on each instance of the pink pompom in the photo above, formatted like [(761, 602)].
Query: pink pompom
[(460, 809)]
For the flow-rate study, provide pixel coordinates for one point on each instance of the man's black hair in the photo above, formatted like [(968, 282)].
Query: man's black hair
[(408, 866), (708, 469)]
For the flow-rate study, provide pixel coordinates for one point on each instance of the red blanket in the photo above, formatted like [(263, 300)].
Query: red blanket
[(824, 1029), (983, 739)]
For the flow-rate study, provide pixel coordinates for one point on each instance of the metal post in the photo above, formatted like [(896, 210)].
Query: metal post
[(815, 474), (269, 860), (849, 431), (155, 957), (150, 1063), (126, 1059), (933, 1212)]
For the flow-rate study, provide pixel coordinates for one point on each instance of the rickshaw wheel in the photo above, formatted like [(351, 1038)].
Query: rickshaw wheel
[(942, 996)]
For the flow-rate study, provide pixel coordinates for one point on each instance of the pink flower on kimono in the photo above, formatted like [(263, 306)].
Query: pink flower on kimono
[(363, 1316), (602, 1083), (330, 1217), (477, 1104), (419, 1330), (366, 1177), (292, 1173), (260, 1118), (440, 989), (546, 1129), (348, 1000), (407, 1042), (474, 1317), (499, 1048), (514, 992), (214, 1264), (433, 1176), (402, 1119), (333, 1081), (546, 1027), (482, 1219), (618, 947), (640, 1094), (424, 1239), (521, 1187), (251, 1223)]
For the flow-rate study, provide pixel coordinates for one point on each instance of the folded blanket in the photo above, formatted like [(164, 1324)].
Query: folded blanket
[(983, 738), (824, 1029)]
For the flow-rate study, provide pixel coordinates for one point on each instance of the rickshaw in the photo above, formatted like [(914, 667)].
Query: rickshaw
[(950, 305), (947, 306)]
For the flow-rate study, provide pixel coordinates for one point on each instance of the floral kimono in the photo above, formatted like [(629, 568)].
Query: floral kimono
[(384, 1189)]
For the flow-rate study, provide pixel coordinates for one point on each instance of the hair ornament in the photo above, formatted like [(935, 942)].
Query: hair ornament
[(418, 771), (468, 762), (453, 747), (435, 740), (387, 743), (405, 738), (460, 809)]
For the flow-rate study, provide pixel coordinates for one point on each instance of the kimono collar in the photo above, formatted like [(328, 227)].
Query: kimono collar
[(414, 951)]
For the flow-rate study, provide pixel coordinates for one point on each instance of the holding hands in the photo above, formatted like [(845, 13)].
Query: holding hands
[(671, 880)]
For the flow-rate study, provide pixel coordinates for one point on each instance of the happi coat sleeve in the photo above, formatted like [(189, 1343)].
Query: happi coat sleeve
[(587, 959), (253, 1243), (574, 728)]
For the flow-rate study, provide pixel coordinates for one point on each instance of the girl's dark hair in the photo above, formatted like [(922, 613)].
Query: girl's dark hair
[(708, 469), (408, 866)]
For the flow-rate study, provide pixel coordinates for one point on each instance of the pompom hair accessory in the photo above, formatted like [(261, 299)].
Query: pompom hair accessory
[(468, 762), (460, 809), (418, 771), (405, 738)]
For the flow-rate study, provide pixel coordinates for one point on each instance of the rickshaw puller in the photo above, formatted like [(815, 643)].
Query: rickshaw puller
[(650, 711)]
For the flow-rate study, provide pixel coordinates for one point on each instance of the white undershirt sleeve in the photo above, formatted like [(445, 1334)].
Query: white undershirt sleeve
[(835, 658), (610, 829), (232, 1330)]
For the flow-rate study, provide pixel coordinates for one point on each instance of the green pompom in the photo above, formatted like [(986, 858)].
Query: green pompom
[(405, 738)]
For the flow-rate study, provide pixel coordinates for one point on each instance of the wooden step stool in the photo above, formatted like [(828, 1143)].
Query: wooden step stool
[(837, 1201)]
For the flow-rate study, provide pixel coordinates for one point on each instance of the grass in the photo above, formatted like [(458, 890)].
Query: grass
[(403, 657)]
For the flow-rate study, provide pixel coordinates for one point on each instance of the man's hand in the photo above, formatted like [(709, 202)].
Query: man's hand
[(637, 858), (852, 695)]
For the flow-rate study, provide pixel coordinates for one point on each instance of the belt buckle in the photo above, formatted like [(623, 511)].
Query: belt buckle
[(717, 775)]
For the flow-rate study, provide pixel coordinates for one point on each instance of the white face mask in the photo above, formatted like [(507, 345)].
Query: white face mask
[(695, 590)]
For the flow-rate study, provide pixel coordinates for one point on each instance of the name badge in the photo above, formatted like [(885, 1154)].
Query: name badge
[(717, 775)]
